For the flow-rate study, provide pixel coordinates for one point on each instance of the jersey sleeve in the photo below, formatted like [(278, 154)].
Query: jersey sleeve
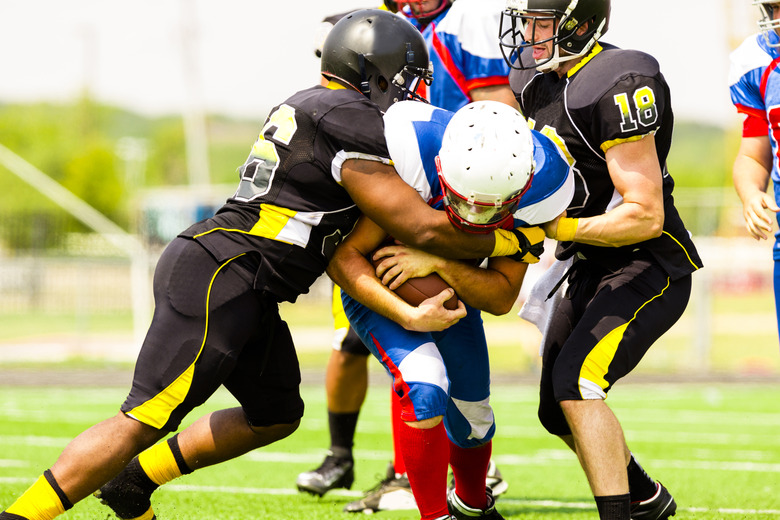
[(552, 187), (630, 110), (413, 132), (356, 131), (747, 65)]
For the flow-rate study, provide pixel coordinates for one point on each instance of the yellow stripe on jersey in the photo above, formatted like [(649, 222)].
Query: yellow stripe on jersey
[(595, 50), (609, 144), (156, 411), (596, 365), (684, 250), (272, 221), (335, 85)]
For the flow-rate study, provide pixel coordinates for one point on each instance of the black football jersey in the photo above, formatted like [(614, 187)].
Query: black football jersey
[(289, 207), (612, 96)]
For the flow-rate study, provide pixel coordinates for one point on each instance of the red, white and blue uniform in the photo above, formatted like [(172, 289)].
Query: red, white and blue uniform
[(462, 45), (754, 83), (447, 373)]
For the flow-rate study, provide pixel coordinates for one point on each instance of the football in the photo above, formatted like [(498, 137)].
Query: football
[(414, 290)]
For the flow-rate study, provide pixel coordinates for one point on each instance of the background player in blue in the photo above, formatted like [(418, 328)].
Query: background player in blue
[(320, 158), (468, 66), (754, 82), (609, 111), (477, 165), (461, 42)]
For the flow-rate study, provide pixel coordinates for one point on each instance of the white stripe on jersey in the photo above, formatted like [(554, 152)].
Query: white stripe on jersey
[(342, 156), (475, 23), (403, 145), (748, 56)]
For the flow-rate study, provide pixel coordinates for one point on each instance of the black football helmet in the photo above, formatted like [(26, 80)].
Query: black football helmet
[(569, 16), (379, 54)]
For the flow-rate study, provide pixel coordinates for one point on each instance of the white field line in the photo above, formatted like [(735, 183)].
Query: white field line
[(539, 458), (553, 504), (513, 501)]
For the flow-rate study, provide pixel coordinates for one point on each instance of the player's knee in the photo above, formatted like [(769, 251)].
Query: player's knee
[(552, 418), (426, 424), (470, 423)]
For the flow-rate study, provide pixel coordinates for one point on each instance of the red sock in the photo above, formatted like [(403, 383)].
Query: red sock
[(469, 467), (426, 453), (395, 419)]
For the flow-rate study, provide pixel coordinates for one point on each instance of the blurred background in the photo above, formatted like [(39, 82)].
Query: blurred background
[(121, 124)]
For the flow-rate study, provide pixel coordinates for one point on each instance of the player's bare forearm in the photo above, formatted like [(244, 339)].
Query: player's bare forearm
[(751, 175), (350, 270), (637, 176), (493, 290), (627, 224), (395, 206)]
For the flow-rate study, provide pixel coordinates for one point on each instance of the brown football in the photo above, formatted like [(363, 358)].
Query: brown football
[(414, 290)]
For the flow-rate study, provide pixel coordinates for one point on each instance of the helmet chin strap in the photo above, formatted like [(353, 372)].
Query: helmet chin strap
[(365, 88), (553, 63)]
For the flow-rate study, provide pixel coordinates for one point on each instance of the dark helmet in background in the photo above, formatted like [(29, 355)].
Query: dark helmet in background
[(379, 54), (391, 6), (568, 15)]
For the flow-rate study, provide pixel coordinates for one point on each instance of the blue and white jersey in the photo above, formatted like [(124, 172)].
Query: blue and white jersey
[(754, 84), (463, 45), (414, 133)]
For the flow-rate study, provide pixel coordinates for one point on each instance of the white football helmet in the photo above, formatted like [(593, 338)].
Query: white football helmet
[(485, 165), (768, 24)]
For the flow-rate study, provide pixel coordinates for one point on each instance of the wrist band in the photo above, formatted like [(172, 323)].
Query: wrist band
[(567, 228)]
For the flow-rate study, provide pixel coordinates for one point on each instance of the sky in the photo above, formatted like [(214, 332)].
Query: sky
[(241, 57)]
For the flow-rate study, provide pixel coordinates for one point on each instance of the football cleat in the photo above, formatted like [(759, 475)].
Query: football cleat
[(494, 481), (334, 472), (128, 494), (460, 511), (391, 494), (658, 507)]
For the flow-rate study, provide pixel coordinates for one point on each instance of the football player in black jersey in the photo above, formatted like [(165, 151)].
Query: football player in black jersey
[(319, 161), (610, 113)]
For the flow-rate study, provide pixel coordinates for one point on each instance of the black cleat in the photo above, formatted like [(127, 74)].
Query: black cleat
[(128, 494), (391, 494), (334, 472), (658, 507), (460, 511)]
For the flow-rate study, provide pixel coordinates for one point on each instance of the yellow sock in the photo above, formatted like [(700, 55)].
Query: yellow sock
[(42, 500), (159, 463)]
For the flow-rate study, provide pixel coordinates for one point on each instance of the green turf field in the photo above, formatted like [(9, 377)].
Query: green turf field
[(714, 445)]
